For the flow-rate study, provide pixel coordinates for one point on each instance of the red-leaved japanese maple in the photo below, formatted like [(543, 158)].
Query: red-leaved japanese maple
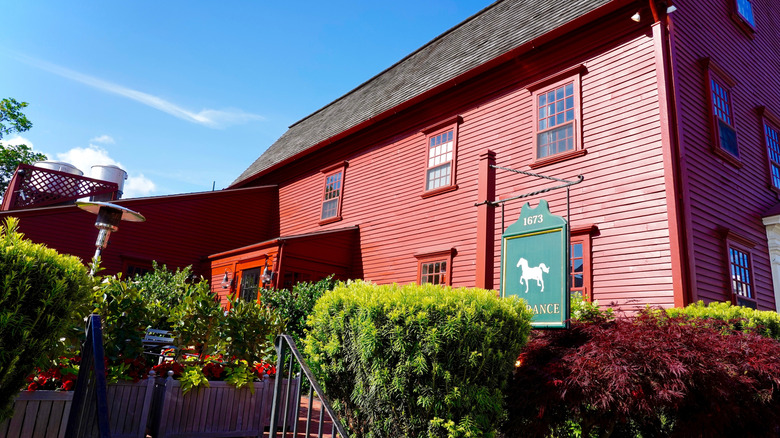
[(650, 375)]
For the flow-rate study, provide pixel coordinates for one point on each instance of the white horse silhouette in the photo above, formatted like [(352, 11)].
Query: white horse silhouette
[(532, 273)]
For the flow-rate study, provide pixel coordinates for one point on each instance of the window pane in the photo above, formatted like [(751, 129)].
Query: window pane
[(745, 10)]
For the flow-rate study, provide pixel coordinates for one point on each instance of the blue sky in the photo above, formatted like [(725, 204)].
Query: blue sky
[(184, 95)]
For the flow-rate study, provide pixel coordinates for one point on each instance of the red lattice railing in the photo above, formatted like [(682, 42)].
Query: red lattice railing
[(33, 187)]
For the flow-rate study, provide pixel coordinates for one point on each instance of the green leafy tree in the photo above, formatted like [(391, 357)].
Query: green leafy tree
[(12, 121)]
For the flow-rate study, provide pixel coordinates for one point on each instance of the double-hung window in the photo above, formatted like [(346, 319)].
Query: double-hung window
[(743, 15), (332, 193), (557, 117), (772, 135), (441, 151), (771, 128), (724, 130), (740, 270)]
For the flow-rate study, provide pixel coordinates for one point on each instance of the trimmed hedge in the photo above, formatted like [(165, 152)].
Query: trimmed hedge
[(41, 295), (763, 322), (416, 360)]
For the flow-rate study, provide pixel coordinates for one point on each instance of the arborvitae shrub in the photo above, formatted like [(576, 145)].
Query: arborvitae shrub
[(651, 376), (416, 361), (41, 294)]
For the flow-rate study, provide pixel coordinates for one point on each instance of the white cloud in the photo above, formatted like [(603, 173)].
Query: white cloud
[(105, 139), (16, 141), (139, 185), (136, 185), (207, 117)]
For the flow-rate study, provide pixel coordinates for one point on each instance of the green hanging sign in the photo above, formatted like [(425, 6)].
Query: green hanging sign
[(535, 264)]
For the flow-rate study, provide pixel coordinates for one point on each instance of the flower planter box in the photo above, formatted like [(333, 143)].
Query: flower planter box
[(220, 410), (45, 413)]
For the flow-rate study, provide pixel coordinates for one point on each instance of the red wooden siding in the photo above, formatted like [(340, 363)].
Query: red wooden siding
[(308, 257), (179, 230), (720, 196), (623, 194)]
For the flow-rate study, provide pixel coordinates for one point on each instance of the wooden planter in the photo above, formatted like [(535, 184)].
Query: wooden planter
[(44, 414), (220, 410)]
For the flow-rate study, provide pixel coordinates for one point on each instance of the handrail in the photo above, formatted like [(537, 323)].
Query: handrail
[(285, 344)]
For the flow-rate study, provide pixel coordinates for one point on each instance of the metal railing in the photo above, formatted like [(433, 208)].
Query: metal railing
[(288, 359)]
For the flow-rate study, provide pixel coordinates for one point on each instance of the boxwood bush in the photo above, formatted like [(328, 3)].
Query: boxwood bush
[(41, 294), (416, 360)]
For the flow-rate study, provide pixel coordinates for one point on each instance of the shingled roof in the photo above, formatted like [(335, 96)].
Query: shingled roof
[(492, 32)]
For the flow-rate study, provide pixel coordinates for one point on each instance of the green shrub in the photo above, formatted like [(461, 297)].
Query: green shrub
[(246, 331), (41, 294), (295, 306), (195, 318), (583, 310), (416, 360), (124, 315), (164, 289), (763, 322)]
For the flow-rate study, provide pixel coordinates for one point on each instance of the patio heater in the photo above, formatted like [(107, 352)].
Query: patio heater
[(108, 217)]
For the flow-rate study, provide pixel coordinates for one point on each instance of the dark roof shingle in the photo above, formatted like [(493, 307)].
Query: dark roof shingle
[(490, 33)]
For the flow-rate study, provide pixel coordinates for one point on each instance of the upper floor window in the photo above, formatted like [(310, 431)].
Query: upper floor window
[(441, 154), (555, 113), (771, 128), (745, 11), (557, 117), (742, 14), (332, 193), (724, 131), (772, 137)]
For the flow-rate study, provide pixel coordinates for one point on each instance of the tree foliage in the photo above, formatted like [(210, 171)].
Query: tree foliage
[(12, 120)]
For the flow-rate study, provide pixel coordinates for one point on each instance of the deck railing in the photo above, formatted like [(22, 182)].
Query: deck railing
[(289, 359)]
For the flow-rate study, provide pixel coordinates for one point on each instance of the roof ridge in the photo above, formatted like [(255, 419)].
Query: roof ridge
[(400, 61)]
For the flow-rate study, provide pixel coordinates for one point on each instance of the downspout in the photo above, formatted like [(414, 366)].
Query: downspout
[(674, 177)]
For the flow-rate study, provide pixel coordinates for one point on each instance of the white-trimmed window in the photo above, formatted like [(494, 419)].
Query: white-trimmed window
[(332, 193), (441, 152), (557, 118)]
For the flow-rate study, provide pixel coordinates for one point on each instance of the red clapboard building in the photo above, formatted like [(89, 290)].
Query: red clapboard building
[(669, 110)]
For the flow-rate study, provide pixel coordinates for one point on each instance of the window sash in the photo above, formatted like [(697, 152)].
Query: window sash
[(772, 137), (556, 115), (434, 272), (745, 10), (441, 151), (250, 284), (331, 196)]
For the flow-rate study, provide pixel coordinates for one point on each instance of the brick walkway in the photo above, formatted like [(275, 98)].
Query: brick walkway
[(313, 426)]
